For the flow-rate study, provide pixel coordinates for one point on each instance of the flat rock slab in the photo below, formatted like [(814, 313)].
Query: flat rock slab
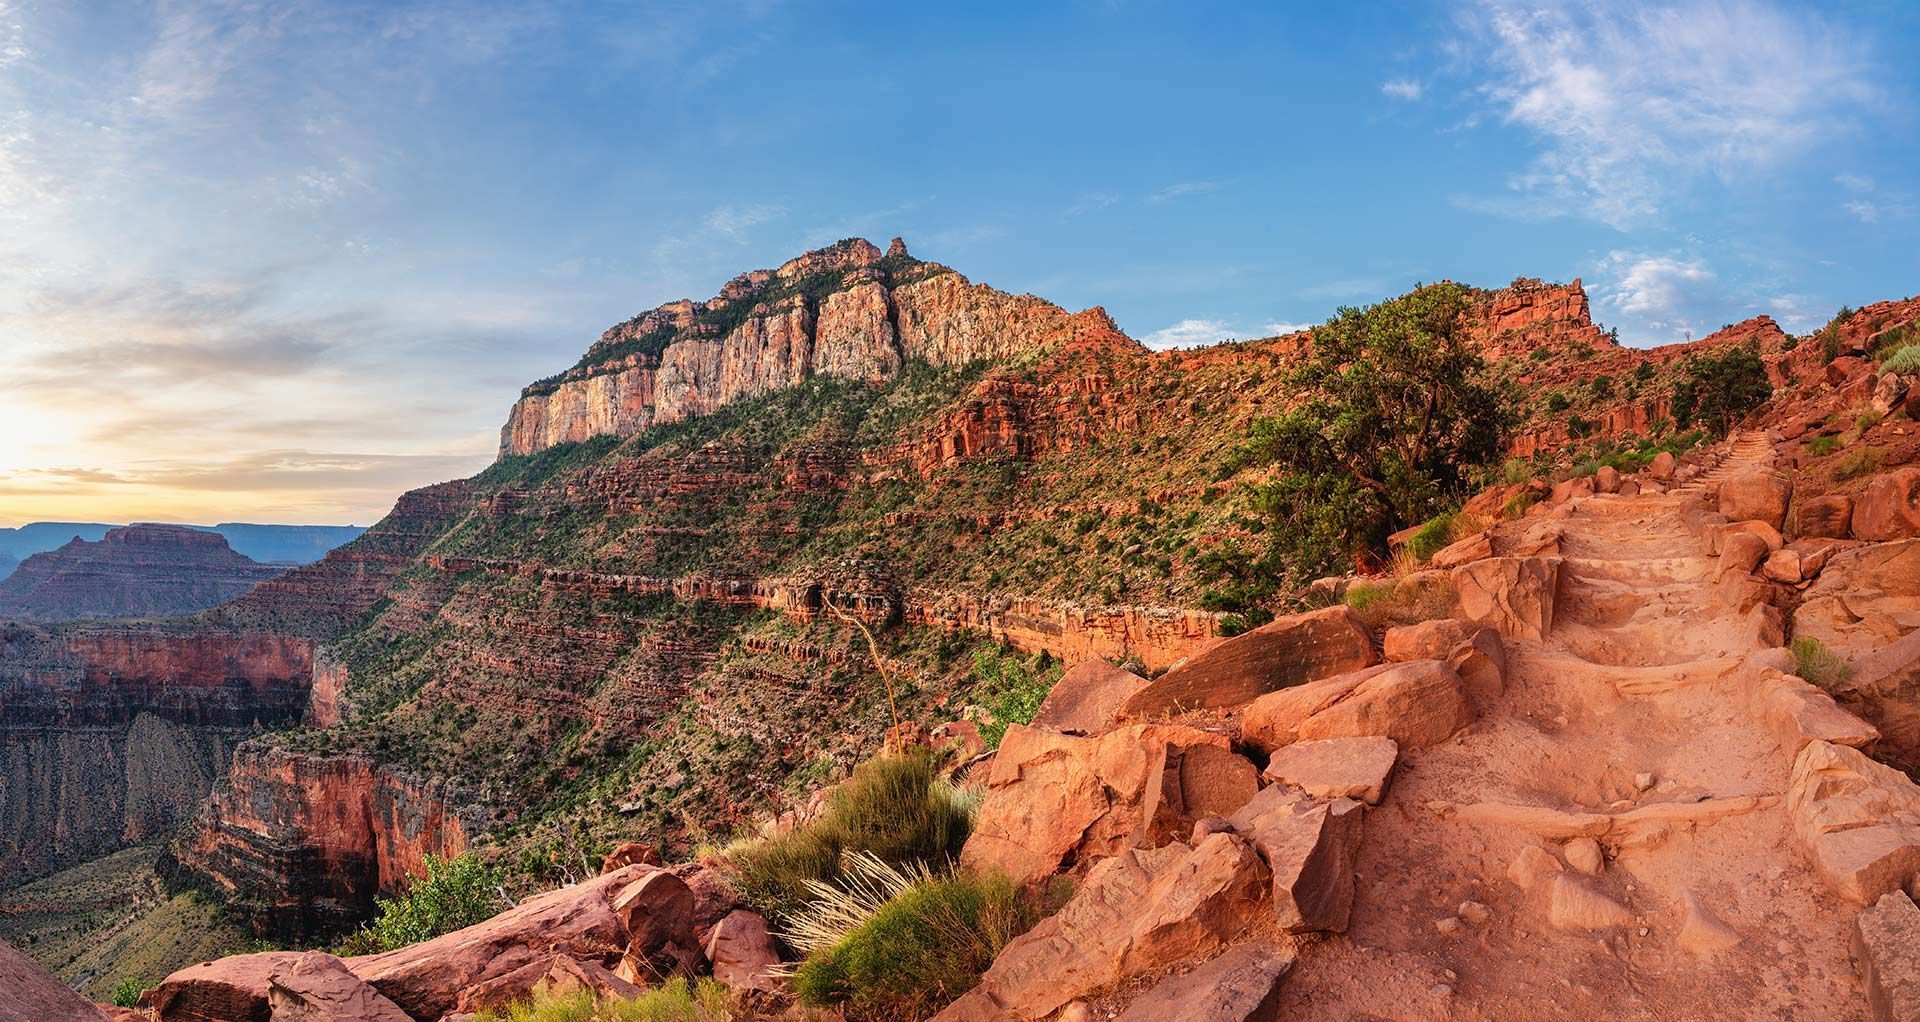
[(31, 995), (317, 987), (1088, 698), (1242, 985), (1286, 651), (1356, 768)]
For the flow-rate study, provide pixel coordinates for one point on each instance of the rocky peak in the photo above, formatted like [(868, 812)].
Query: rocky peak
[(130, 572), (851, 254), (897, 249), (165, 536)]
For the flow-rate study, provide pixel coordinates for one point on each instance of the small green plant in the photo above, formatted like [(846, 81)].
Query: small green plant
[(126, 993), (1557, 402), (1816, 663), (1518, 504), (1821, 446), (900, 944), (675, 1001), (1010, 688), (1402, 602), (1858, 462), (1432, 537), (455, 892), (1867, 420), (897, 808)]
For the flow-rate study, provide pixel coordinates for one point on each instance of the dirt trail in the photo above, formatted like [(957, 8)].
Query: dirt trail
[(1628, 683)]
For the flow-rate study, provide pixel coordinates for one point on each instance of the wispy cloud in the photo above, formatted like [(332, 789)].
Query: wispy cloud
[(1283, 329), (1403, 88), (1183, 189), (1628, 103), (733, 221)]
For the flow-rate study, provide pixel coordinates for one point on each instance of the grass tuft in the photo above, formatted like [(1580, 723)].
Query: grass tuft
[(896, 808), (899, 944), (1816, 663), (675, 1001)]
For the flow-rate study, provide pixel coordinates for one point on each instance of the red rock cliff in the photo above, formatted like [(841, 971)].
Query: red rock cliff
[(303, 843), (137, 571)]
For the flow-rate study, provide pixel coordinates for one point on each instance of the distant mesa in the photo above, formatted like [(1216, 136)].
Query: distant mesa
[(134, 571)]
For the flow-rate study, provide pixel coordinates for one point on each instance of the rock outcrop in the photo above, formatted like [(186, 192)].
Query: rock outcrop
[(1055, 800), (848, 311), (1286, 651), (302, 844), (28, 994), (136, 571)]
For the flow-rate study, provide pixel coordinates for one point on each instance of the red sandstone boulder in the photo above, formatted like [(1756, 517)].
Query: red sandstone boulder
[(1135, 912), (1662, 467), (1283, 652), (1088, 698), (1242, 985), (1481, 661), (317, 987), (579, 922), (1473, 548), (1741, 552), (28, 994), (1428, 640), (1866, 596), (743, 953), (1890, 508), (555, 975), (1886, 950), (1514, 595), (1606, 480), (1054, 798), (1355, 768), (1884, 686), (1858, 820), (1309, 847), (226, 990), (1417, 704), (1756, 495), (1829, 516)]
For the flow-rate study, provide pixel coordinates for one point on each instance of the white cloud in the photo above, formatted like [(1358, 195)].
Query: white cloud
[(1862, 210), (1854, 182), (1628, 102), (1190, 333), (1183, 189), (1403, 88), (1091, 202), (1283, 329), (1661, 297), (736, 220)]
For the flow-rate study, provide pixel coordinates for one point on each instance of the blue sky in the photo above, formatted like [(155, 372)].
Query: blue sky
[(281, 261)]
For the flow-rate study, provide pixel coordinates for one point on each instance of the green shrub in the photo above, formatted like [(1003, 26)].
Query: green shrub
[(1402, 602), (126, 993), (1903, 360), (1816, 663), (1518, 504), (1858, 462), (1557, 402), (1821, 446), (675, 1001), (1010, 688), (897, 808), (1432, 537), (901, 945), (456, 892), (1715, 391), (1867, 420)]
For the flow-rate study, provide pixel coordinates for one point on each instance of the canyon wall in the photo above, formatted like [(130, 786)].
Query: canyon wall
[(300, 844), (112, 736)]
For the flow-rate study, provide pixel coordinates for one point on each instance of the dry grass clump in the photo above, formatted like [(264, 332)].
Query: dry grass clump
[(890, 943), (897, 808), (1814, 662), (676, 1001)]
